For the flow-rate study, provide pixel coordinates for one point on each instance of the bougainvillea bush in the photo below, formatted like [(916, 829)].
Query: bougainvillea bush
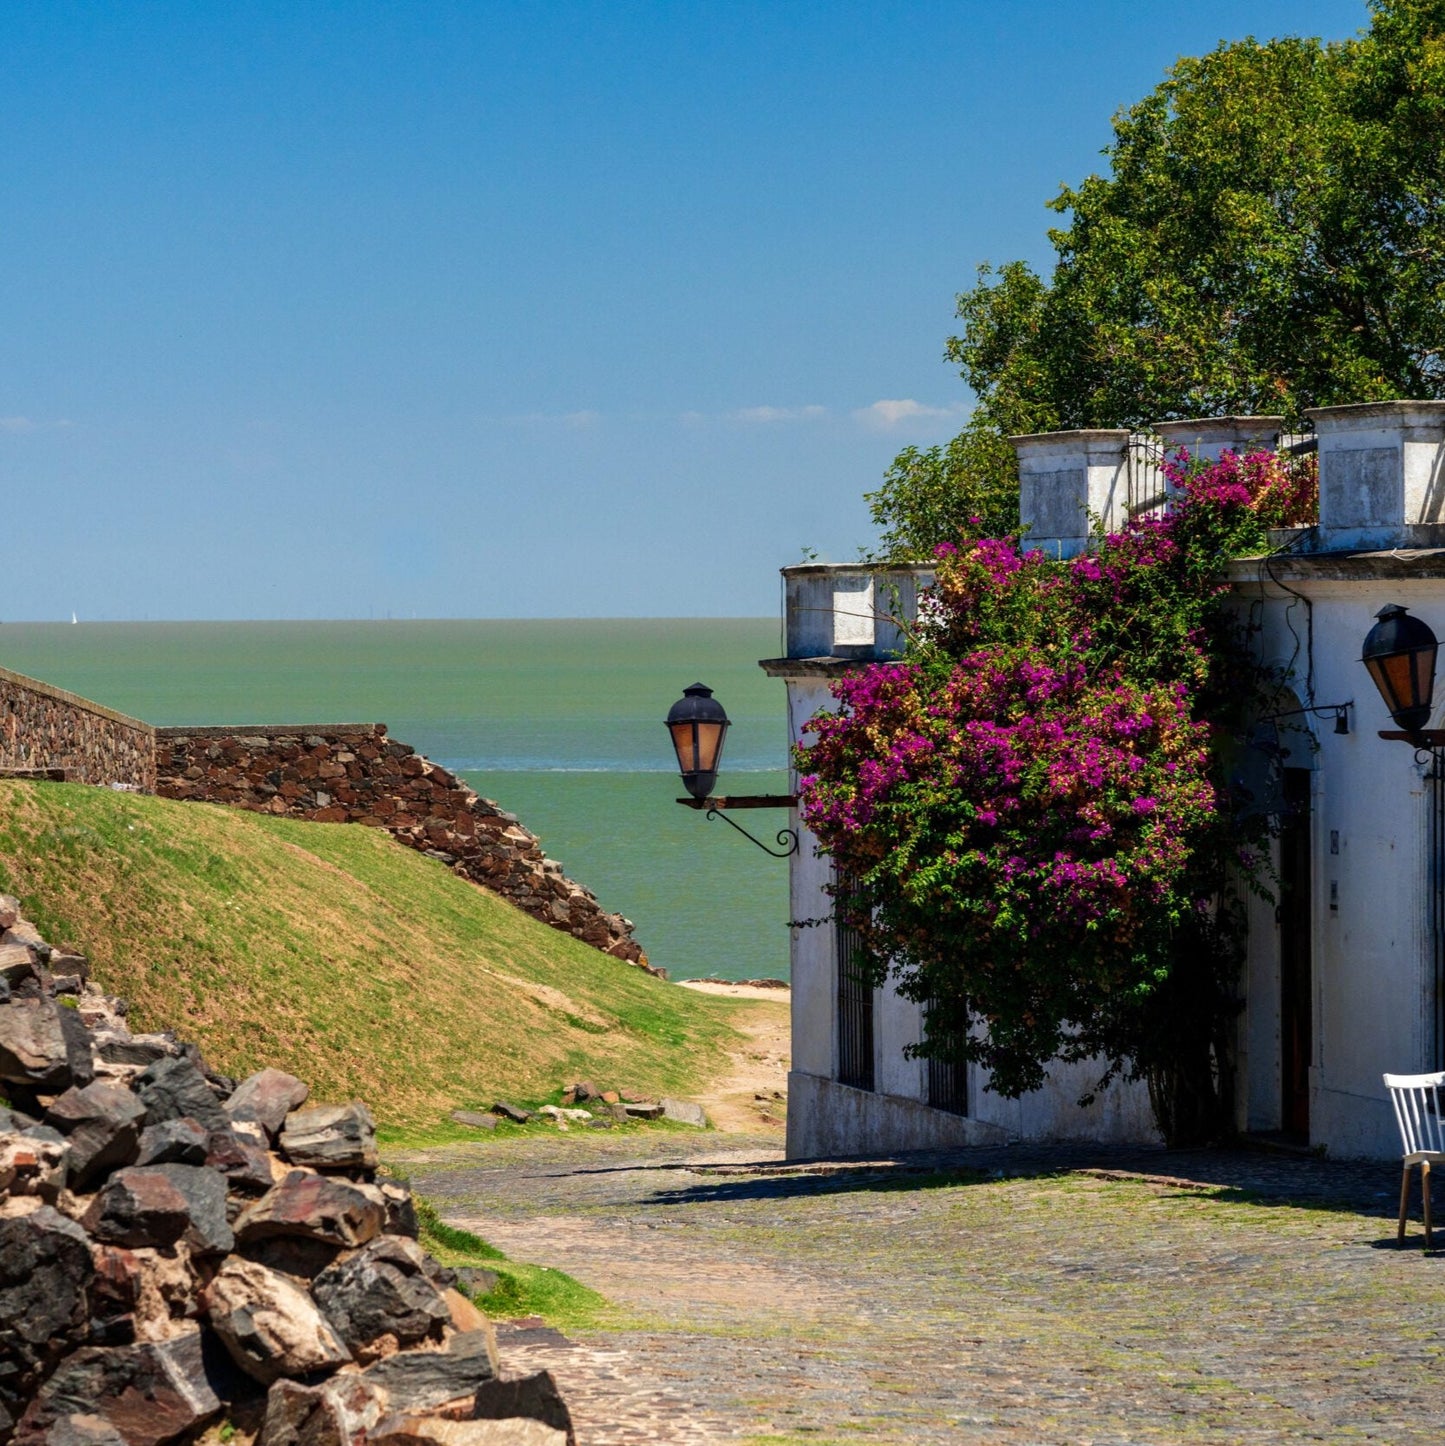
[(1029, 812)]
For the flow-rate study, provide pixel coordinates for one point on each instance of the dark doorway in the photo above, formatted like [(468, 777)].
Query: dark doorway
[(1295, 964)]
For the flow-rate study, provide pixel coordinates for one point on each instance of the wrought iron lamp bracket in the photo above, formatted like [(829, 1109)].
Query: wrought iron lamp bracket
[(716, 807)]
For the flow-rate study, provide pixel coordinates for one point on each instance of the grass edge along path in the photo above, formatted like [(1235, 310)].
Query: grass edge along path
[(330, 951), (521, 1289)]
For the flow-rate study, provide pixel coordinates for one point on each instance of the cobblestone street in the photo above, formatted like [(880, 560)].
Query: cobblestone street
[(1015, 1295)]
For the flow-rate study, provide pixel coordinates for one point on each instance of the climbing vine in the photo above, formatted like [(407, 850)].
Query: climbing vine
[(1032, 807)]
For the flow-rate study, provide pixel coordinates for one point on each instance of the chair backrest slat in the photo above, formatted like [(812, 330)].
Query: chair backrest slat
[(1419, 1102)]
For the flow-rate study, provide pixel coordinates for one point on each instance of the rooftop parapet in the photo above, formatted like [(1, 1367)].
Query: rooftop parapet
[(1204, 438), (854, 610), (1381, 482), (1067, 481)]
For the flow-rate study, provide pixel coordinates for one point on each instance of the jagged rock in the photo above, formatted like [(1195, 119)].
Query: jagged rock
[(270, 1325), (331, 1137), (477, 1119), (78, 1055), (292, 1255), (102, 1122), (439, 1431), (267, 1097), (337, 1412), (22, 931), (645, 1110), (381, 1290), (115, 1294), (174, 1142), (400, 1210), (585, 1090), (314, 1206), (554, 1112), (149, 1393), (45, 1277), (17, 964), (685, 1112), (67, 963), (247, 1167), (31, 1165), (511, 1112), (535, 1397), (36, 1048), (142, 1295), (436, 1380), (138, 1207), (161, 1204), (173, 1088), (9, 910), (141, 1050)]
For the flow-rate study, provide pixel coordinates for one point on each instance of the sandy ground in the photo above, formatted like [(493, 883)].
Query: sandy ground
[(752, 1097)]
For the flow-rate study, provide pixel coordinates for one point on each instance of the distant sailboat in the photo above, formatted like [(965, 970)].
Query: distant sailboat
[(73, 618)]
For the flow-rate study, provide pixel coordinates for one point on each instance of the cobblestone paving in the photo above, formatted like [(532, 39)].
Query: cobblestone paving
[(1069, 1295)]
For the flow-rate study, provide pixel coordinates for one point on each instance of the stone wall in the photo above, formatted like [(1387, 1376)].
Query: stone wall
[(43, 729), (354, 773)]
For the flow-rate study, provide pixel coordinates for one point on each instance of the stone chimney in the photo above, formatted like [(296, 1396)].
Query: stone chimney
[(1382, 475), (1069, 480)]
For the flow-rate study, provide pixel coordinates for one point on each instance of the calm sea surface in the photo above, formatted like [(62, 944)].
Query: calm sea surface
[(559, 721)]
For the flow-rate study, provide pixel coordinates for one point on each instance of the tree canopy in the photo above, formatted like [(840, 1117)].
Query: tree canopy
[(1270, 236)]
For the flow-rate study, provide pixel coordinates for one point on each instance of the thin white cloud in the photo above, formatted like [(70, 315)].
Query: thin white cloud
[(768, 415), (19, 426), (883, 416), (571, 420)]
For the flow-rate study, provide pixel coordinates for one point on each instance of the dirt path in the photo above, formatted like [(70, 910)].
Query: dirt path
[(751, 1098)]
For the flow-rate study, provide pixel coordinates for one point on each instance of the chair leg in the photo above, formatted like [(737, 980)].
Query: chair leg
[(1425, 1198), (1404, 1202)]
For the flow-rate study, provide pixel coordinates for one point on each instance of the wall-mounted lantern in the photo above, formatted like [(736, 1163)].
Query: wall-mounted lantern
[(698, 725), (1399, 652)]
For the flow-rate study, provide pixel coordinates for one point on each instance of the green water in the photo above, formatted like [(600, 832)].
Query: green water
[(560, 721)]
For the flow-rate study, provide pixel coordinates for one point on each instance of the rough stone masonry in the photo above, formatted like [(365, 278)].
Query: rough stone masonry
[(178, 1248)]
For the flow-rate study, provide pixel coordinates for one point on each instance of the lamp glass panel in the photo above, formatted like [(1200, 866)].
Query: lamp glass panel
[(1393, 676), (709, 745), (1424, 680), (684, 741)]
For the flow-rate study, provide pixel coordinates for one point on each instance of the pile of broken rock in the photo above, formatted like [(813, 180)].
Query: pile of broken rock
[(179, 1250)]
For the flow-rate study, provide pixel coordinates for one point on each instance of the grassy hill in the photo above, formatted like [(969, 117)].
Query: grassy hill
[(331, 951)]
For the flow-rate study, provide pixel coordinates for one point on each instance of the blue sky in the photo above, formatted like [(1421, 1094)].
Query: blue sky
[(486, 310)]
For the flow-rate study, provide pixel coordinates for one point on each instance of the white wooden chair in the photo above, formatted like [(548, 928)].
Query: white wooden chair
[(1419, 1101)]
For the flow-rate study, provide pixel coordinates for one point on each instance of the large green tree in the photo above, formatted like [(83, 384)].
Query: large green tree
[(1270, 235)]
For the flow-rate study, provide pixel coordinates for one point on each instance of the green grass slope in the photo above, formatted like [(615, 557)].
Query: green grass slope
[(329, 950)]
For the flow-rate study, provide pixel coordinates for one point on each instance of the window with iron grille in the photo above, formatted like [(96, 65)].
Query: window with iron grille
[(947, 1071), (855, 1002)]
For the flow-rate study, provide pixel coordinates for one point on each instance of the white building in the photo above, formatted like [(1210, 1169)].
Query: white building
[(1346, 978)]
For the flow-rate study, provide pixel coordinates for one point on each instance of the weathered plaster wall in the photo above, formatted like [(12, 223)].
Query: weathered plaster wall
[(44, 729), (354, 773)]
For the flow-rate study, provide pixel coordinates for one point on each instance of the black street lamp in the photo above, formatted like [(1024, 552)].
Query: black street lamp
[(698, 725), (1399, 652)]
